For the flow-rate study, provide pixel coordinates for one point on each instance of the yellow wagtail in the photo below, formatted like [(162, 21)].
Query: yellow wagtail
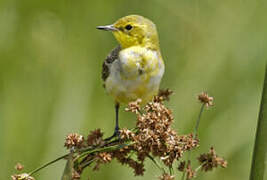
[(133, 70)]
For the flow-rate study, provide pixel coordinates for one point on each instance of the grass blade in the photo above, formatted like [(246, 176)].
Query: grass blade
[(258, 168), (67, 174)]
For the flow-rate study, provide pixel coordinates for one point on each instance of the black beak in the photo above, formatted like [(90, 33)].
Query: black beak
[(107, 28)]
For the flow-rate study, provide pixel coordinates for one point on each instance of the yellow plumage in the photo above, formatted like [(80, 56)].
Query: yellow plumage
[(138, 68), (136, 74)]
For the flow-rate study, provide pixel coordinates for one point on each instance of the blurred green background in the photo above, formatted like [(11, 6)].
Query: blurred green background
[(50, 68)]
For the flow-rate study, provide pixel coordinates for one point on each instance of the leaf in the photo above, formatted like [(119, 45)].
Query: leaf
[(258, 168), (67, 174)]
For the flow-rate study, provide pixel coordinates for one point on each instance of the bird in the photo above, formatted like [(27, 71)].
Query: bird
[(134, 69)]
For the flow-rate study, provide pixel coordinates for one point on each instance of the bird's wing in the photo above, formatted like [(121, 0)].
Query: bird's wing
[(113, 55)]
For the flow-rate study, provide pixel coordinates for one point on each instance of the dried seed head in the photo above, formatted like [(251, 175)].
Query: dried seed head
[(134, 106), (189, 141), (163, 95), (95, 138), (104, 157), (126, 134), (153, 137), (190, 173), (23, 176), (166, 176), (205, 99), (19, 167), (181, 166), (74, 140), (138, 169), (75, 175), (210, 160)]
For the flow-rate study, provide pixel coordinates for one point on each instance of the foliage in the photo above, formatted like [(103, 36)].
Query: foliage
[(258, 169), (152, 138)]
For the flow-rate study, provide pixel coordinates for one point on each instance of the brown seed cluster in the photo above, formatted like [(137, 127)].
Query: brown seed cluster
[(23, 176), (163, 95), (205, 99), (74, 140), (137, 166), (124, 157), (181, 166), (155, 135), (102, 158), (190, 173), (95, 138), (210, 160), (166, 176), (19, 167), (75, 175), (152, 138), (134, 106)]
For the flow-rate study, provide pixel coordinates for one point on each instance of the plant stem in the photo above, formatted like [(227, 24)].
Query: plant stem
[(195, 134), (105, 148), (87, 163), (258, 167), (198, 168), (47, 164), (171, 170), (85, 151), (198, 120), (68, 170), (156, 163)]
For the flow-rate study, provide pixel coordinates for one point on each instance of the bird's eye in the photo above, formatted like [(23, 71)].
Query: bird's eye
[(128, 27)]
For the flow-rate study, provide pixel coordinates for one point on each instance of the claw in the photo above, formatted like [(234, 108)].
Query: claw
[(115, 134)]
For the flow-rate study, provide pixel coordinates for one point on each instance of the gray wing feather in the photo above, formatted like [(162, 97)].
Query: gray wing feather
[(113, 55)]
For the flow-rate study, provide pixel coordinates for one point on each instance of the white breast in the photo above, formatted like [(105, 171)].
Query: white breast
[(136, 73)]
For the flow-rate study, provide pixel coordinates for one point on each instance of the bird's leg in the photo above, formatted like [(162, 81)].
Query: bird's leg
[(116, 130), (117, 107)]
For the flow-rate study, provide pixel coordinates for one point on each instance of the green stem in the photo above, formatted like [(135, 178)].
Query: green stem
[(195, 133), (47, 164), (199, 167), (85, 151), (106, 148), (258, 167), (87, 163), (171, 170), (183, 175), (156, 163), (198, 120)]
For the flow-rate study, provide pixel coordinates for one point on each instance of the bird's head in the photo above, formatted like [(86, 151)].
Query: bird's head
[(134, 30)]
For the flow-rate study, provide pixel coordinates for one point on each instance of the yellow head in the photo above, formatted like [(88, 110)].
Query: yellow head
[(134, 30)]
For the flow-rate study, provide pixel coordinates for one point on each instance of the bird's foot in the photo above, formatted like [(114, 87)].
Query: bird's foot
[(116, 134)]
